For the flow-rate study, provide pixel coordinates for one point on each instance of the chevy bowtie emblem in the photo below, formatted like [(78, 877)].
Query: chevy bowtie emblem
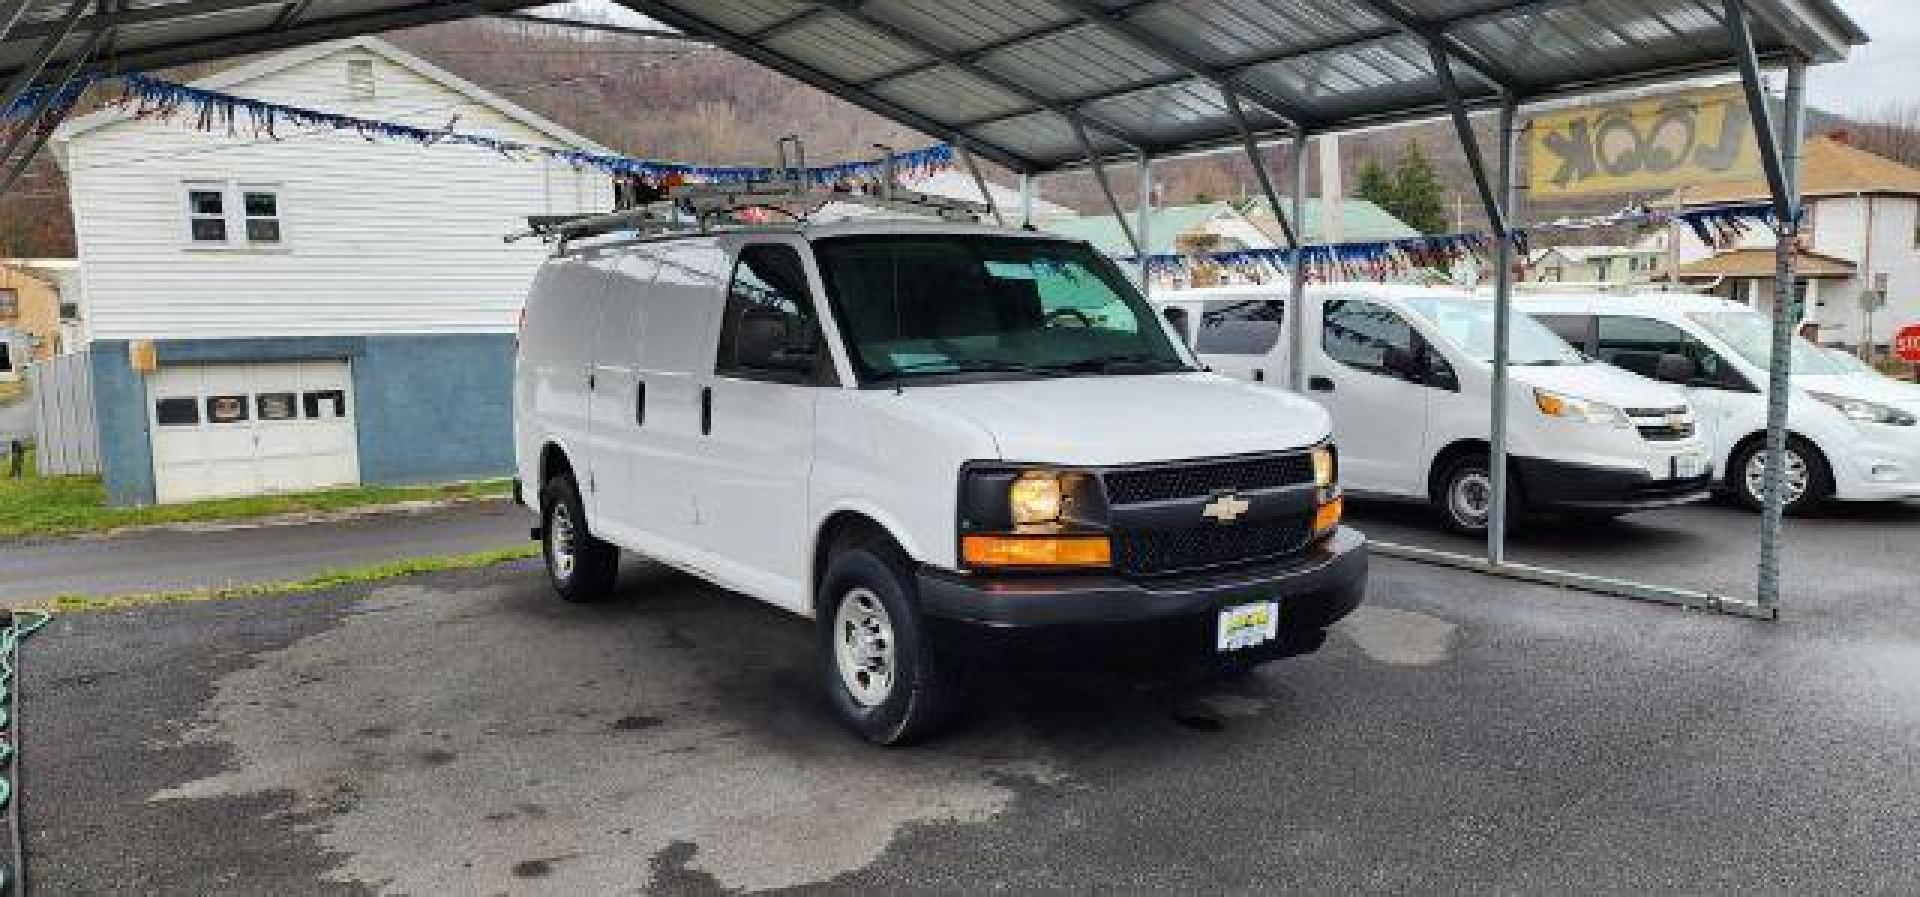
[(1226, 509)]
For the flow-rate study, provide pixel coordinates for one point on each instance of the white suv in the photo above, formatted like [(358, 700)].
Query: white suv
[(931, 438), (1852, 437), (1407, 373)]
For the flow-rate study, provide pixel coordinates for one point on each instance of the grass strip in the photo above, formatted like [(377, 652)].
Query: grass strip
[(326, 579)]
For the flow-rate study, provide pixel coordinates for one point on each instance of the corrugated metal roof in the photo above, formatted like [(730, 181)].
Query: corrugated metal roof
[(149, 34), (1015, 79), (1360, 221)]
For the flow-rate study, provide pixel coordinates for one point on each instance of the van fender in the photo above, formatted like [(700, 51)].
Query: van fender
[(892, 526)]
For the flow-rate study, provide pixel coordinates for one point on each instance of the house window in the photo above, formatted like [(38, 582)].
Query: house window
[(262, 208), (360, 83), (9, 303), (220, 215), (207, 213), (69, 311)]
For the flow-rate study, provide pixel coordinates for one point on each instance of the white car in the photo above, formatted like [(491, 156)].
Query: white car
[(1851, 437), (929, 438), (1406, 372)]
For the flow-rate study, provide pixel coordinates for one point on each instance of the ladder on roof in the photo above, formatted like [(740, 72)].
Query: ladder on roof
[(701, 208)]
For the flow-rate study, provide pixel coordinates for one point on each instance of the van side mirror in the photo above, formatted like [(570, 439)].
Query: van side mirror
[(766, 342), (1673, 368)]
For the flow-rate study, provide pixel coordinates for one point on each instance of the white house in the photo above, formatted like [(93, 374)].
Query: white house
[(317, 309), (1646, 259), (1861, 237)]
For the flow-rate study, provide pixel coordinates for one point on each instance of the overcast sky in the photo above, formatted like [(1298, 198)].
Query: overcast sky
[(1877, 75)]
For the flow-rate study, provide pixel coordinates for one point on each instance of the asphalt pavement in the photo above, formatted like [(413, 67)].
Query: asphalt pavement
[(243, 552), (467, 733)]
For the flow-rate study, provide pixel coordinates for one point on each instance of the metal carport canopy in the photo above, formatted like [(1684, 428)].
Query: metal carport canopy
[(1018, 81)]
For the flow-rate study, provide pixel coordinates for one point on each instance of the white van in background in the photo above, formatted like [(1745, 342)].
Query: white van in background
[(929, 438), (1853, 436), (1406, 372)]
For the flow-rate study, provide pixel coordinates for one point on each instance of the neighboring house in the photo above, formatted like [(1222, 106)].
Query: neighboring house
[(30, 306), (1861, 239), (960, 185), (1647, 259), (320, 309), (1220, 227)]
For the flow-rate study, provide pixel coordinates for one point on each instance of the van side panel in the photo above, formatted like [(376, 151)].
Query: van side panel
[(618, 395), (551, 396)]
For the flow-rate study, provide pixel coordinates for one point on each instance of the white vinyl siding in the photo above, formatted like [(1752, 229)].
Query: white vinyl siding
[(376, 236)]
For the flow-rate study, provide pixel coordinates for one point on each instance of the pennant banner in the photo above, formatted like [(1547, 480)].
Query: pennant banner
[(1719, 227)]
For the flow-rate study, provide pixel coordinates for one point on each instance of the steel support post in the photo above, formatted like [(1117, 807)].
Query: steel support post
[(1144, 214), (986, 196), (1106, 189), (36, 63), (1502, 331), (1026, 200), (1296, 309), (1252, 147)]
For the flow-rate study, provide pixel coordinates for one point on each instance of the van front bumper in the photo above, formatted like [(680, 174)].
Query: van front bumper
[(1548, 485), (1075, 618)]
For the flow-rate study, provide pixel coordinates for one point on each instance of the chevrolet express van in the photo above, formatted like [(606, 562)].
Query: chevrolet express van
[(1406, 373), (929, 438), (1852, 436)]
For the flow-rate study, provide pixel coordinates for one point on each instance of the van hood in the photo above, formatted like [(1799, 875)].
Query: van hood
[(1130, 419), (1602, 383), (1865, 387)]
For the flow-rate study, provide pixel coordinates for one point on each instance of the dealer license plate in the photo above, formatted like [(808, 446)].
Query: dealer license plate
[(1246, 625), (1691, 466)]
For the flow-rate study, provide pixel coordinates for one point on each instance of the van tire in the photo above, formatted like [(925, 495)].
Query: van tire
[(1801, 455), (1460, 488), (870, 633), (581, 568)]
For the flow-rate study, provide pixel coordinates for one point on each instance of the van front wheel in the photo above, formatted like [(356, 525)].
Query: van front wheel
[(1464, 495), (581, 568), (1807, 483), (882, 675)]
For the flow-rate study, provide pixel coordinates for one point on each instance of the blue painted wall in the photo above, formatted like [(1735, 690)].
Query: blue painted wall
[(435, 407), (431, 407)]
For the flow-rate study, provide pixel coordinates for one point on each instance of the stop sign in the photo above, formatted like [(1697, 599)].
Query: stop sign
[(1906, 344)]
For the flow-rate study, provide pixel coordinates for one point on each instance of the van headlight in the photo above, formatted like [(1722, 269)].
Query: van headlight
[(1032, 518), (1866, 412), (1326, 466), (1553, 404)]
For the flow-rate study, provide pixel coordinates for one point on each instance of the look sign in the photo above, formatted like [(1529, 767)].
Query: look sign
[(1644, 145)]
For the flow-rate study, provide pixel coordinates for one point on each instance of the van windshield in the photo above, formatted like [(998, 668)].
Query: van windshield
[(1750, 333), (933, 305), (1468, 325)]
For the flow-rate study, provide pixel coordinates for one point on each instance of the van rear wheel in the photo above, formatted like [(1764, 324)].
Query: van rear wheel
[(1807, 483), (581, 568), (882, 674), (1464, 495)]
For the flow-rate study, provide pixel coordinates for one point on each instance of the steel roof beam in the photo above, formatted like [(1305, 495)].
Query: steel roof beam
[(24, 77), (150, 15), (1435, 34), (314, 31), (852, 9), (293, 13), (14, 10), (1115, 22), (688, 22), (976, 54), (38, 124), (606, 27), (787, 24)]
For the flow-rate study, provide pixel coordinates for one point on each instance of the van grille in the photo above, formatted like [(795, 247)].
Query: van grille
[(1159, 552), (1160, 483), (1655, 424)]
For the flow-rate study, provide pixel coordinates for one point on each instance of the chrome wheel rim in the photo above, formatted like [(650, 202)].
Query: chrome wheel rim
[(1795, 481), (1471, 498), (864, 647), (560, 543)]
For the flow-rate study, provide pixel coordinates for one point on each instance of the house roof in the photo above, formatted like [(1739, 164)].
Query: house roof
[(1829, 168), (1758, 263), (1361, 221), (1164, 225), (258, 68)]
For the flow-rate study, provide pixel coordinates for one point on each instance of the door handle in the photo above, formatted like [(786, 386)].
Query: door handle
[(1320, 384), (706, 410), (1259, 376), (639, 403)]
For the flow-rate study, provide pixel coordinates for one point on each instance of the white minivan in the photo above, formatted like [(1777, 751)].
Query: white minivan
[(931, 438), (1407, 371), (1852, 437)]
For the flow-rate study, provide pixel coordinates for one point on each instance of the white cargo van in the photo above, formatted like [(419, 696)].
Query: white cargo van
[(1406, 372), (1851, 436), (931, 438)]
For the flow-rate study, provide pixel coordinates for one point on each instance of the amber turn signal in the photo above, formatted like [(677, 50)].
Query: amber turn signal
[(1036, 551), (1328, 516)]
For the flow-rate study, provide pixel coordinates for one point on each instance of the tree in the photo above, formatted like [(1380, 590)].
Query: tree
[(1417, 192), (1376, 186)]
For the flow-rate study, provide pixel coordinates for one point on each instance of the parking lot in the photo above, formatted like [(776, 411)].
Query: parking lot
[(465, 733)]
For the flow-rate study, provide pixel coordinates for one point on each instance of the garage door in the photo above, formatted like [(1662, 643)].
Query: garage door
[(242, 429)]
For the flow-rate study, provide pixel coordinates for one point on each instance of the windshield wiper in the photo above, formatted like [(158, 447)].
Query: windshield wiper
[(966, 366), (1106, 364)]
